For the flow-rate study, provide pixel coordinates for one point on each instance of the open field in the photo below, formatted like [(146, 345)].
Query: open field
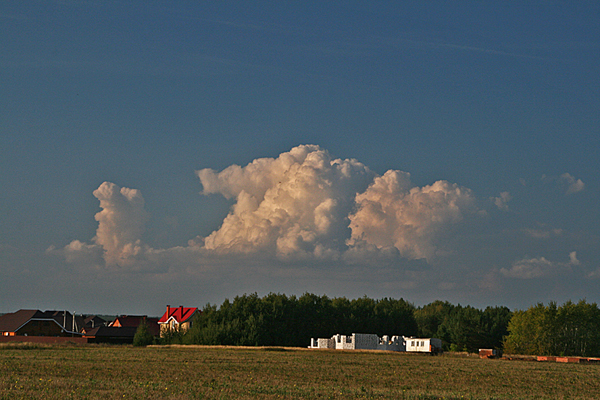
[(111, 372)]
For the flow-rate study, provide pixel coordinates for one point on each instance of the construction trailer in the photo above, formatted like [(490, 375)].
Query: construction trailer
[(423, 345)]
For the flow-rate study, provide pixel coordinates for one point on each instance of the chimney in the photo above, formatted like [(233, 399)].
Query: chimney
[(168, 310)]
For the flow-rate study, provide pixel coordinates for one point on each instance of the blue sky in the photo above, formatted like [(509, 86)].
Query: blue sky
[(491, 107)]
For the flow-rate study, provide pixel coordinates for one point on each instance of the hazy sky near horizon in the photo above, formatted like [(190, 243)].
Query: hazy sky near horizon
[(185, 152)]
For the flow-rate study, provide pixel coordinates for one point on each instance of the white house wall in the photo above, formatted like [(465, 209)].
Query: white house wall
[(422, 345)]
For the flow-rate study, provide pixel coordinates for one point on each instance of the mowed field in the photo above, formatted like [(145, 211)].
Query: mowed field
[(197, 372)]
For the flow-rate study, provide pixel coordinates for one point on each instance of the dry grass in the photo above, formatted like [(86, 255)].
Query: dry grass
[(111, 372)]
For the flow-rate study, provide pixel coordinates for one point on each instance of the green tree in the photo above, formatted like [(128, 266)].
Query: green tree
[(495, 326), (143, 337), (430, 317), (570, 330), (532, 331), (463, 328)]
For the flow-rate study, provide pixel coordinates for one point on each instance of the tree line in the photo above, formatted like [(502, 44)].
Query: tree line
[(463, 328), (572, 329), (280, 320)]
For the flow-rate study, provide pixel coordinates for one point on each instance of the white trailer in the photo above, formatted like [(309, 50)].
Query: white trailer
[(423, 345)]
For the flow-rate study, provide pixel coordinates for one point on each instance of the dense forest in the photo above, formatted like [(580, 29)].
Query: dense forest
[(280, 320), (277, 319)]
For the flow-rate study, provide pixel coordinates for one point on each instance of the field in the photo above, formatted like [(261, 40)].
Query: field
[(117, 372)]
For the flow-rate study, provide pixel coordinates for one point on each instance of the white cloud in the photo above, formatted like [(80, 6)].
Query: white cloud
[(120, 226), (573, 258), (566, 182), (573, 185), (304, 204), (529, 268), (296, 204), (393, 213), (502, 201), (78, 252)]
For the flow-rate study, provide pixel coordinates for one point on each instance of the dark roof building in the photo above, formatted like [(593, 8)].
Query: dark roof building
[(136, 320), (110, 334), (36, 323), (93, 321)]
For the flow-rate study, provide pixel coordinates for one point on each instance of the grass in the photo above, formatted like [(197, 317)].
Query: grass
[(194, 372)]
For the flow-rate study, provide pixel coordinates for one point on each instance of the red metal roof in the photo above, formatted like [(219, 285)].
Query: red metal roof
[(179, 314)]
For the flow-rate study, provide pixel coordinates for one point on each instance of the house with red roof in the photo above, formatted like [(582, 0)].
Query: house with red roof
[(177, 319)]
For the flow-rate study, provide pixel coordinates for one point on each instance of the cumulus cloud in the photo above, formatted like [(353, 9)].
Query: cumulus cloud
[(573, 258), (573, 185), (529, 268), (120, 223), (303, 204), (120, 226), (567, 182), (78, 252), (502, 201), (394, 213), (295, 204)]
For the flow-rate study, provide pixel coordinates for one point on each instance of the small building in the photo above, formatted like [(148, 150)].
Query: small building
[(177, 319), (423, 345), (134, 321)]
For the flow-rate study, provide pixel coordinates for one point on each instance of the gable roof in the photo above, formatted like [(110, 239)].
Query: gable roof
[(128, 320), (179, 314), (93, 321), (135, 321), (11, 322)]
